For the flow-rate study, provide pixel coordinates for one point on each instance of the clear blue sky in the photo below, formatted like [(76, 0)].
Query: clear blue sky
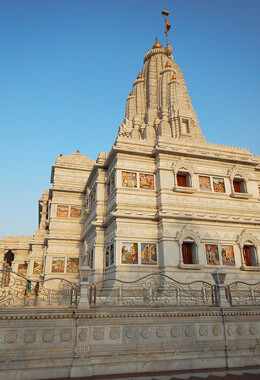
[(67, 67)]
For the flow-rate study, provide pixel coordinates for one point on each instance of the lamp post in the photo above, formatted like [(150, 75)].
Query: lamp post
[(219, 277), (84, 272)]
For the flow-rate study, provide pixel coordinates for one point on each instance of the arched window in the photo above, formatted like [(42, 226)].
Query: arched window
[(183, 176), (189, 241), (239, 182), (248, 245)]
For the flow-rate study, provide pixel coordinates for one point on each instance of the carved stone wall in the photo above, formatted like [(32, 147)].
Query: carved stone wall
[(69, 343)]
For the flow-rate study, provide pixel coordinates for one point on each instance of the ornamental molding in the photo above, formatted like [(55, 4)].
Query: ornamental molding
[(246, 237), (182, 164), (188, 233), (237, 171)]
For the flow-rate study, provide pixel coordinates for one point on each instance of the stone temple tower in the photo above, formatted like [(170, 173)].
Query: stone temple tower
[(159, 105)]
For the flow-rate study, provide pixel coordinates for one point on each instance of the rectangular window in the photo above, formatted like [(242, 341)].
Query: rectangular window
[(204, 183), (129, 179), (148, 254), (146, 181), (236, 185), (90, 256), (112, 254), (181, 180), (107, 256), (218, 185), (212, 254)]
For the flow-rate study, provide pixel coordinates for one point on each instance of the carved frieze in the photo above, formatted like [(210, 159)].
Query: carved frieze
[(48, 335), (30, 336), (10, 336), (66, 335)]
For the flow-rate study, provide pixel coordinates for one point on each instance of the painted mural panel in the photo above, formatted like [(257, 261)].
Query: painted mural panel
[(219, 185), (148, 254), (72, 265), (58, 264), (146, 181), (62, 211), (22, 269), (129, 179), (129, 254), (75, 212), (228, 256), (37, 267), (204, 183), (212, 254)]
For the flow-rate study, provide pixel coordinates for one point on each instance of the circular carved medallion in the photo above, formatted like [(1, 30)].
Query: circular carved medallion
[(203, 330), (48, 336), (98, 334), (189, 331), (82, 335), (216, 330), (160, 332), (114, 333), (240, 330), (65, 335), (11, 336), (252, 330), (230, 331), (130, 332), (29, 336), (145, 332), (175, 331)]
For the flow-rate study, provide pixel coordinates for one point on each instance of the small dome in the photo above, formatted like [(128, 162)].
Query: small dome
[(156, 45), (139, 76), (131, 93), (167, 64)]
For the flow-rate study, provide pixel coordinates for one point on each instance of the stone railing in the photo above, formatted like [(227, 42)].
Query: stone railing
[(18, 291)]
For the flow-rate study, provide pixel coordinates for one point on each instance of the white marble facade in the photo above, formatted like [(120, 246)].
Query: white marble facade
[(162, 200)]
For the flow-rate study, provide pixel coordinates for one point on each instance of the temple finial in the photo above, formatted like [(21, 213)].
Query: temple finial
[(157, 44), (167, 24)]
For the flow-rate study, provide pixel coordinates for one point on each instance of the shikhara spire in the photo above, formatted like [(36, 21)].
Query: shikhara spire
[(159, 104)]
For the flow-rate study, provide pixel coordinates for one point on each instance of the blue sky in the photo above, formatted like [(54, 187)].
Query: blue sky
[(67, 67)]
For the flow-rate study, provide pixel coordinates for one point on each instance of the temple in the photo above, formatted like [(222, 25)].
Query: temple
[(118, 278), (162, 200)]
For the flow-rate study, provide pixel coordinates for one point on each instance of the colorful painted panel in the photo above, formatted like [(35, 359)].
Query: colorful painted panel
[(22, 269), (37, 267), (72, 265), (112, 254), (129, 179), (75, 212), (148, 254), (204, 183), (107, 256), (228, 257), (219, 185), (129, 254), (62, 211), (58, 264), (212, 254), (146, 181)]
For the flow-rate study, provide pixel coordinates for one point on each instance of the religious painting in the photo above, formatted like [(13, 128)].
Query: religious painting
[(75, 212), (58, 264), (129, 179), (148, 254), (62, 211), (146, 181), (107, 256), (37, 267), (22, 269), (72, 265), (212, 254), (112, 254), (204, 183), (129, 254), (218, 185), (228, 257)]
